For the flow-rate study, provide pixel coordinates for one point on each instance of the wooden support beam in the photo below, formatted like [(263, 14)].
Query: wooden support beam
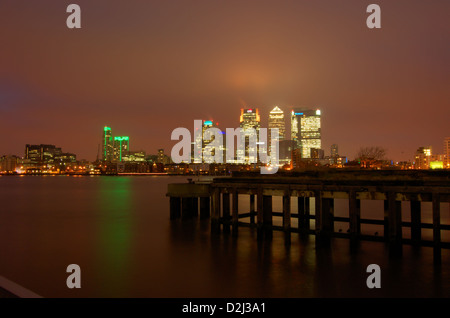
[(318, 208), (436, 228), (307, 213), (267, 216), (328, 221), (323, 209), (226, 212), (301, 213), (195, 206), (186, 208), (205, 204), (324, 219), (354, 206), (416, 230), (215, 216), (235, 211), (259, 216), (252, 208), (386, 220), (287, 217), (175, 208), (395, 225), (354, 210)]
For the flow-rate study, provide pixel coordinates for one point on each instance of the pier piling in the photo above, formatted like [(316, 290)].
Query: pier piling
[(287, 217), (416, 230), (226, 212)]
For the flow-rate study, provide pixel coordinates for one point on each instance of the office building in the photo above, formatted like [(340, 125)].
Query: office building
[(48, 156), (317, 153), (305, 130), (276, 120), (204, 141), (8, 164), (422, 158), (162, 157), (250, 119), (133, 156), (42, 153), (108, 145), (285, 151), (334, 151), (120, 146)]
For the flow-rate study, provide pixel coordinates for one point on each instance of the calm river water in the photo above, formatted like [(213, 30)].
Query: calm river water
[(117, 229)]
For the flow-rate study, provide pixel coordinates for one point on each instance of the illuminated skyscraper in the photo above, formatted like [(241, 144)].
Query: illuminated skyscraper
[(250, 119), (121, 145), (203, 140), (108, 147), (305, 130), (276, 120), (211, 124)]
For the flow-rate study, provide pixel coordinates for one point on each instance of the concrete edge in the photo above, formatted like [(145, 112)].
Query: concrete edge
[(16, 289)]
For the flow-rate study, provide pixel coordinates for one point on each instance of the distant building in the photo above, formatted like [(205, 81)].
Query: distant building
[(8, 164), (33, 153), (162, 158), (47, 154), (305, 130), (41, 153), (121, 145), (285, 151), (437, 162), (151, 158), (276, 120), (339, 162), (447, 153), (250, 119), (422, 158), (65, 158), (133, 156), (108, 145), (317, 153), (206, 140), (334, 151)]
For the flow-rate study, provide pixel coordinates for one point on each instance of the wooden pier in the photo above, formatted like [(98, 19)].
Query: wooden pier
[(219, 200)]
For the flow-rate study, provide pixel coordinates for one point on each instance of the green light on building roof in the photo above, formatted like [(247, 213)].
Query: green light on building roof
[(122, 138), (106, 128)]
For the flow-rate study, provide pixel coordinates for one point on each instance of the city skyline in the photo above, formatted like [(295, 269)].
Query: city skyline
[(147, 69), (110, 147)]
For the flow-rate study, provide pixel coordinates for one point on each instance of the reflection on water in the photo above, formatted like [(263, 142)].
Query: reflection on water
[(118, 230), (115, 205)]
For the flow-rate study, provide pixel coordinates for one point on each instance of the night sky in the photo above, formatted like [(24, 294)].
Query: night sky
[(145, 68)]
